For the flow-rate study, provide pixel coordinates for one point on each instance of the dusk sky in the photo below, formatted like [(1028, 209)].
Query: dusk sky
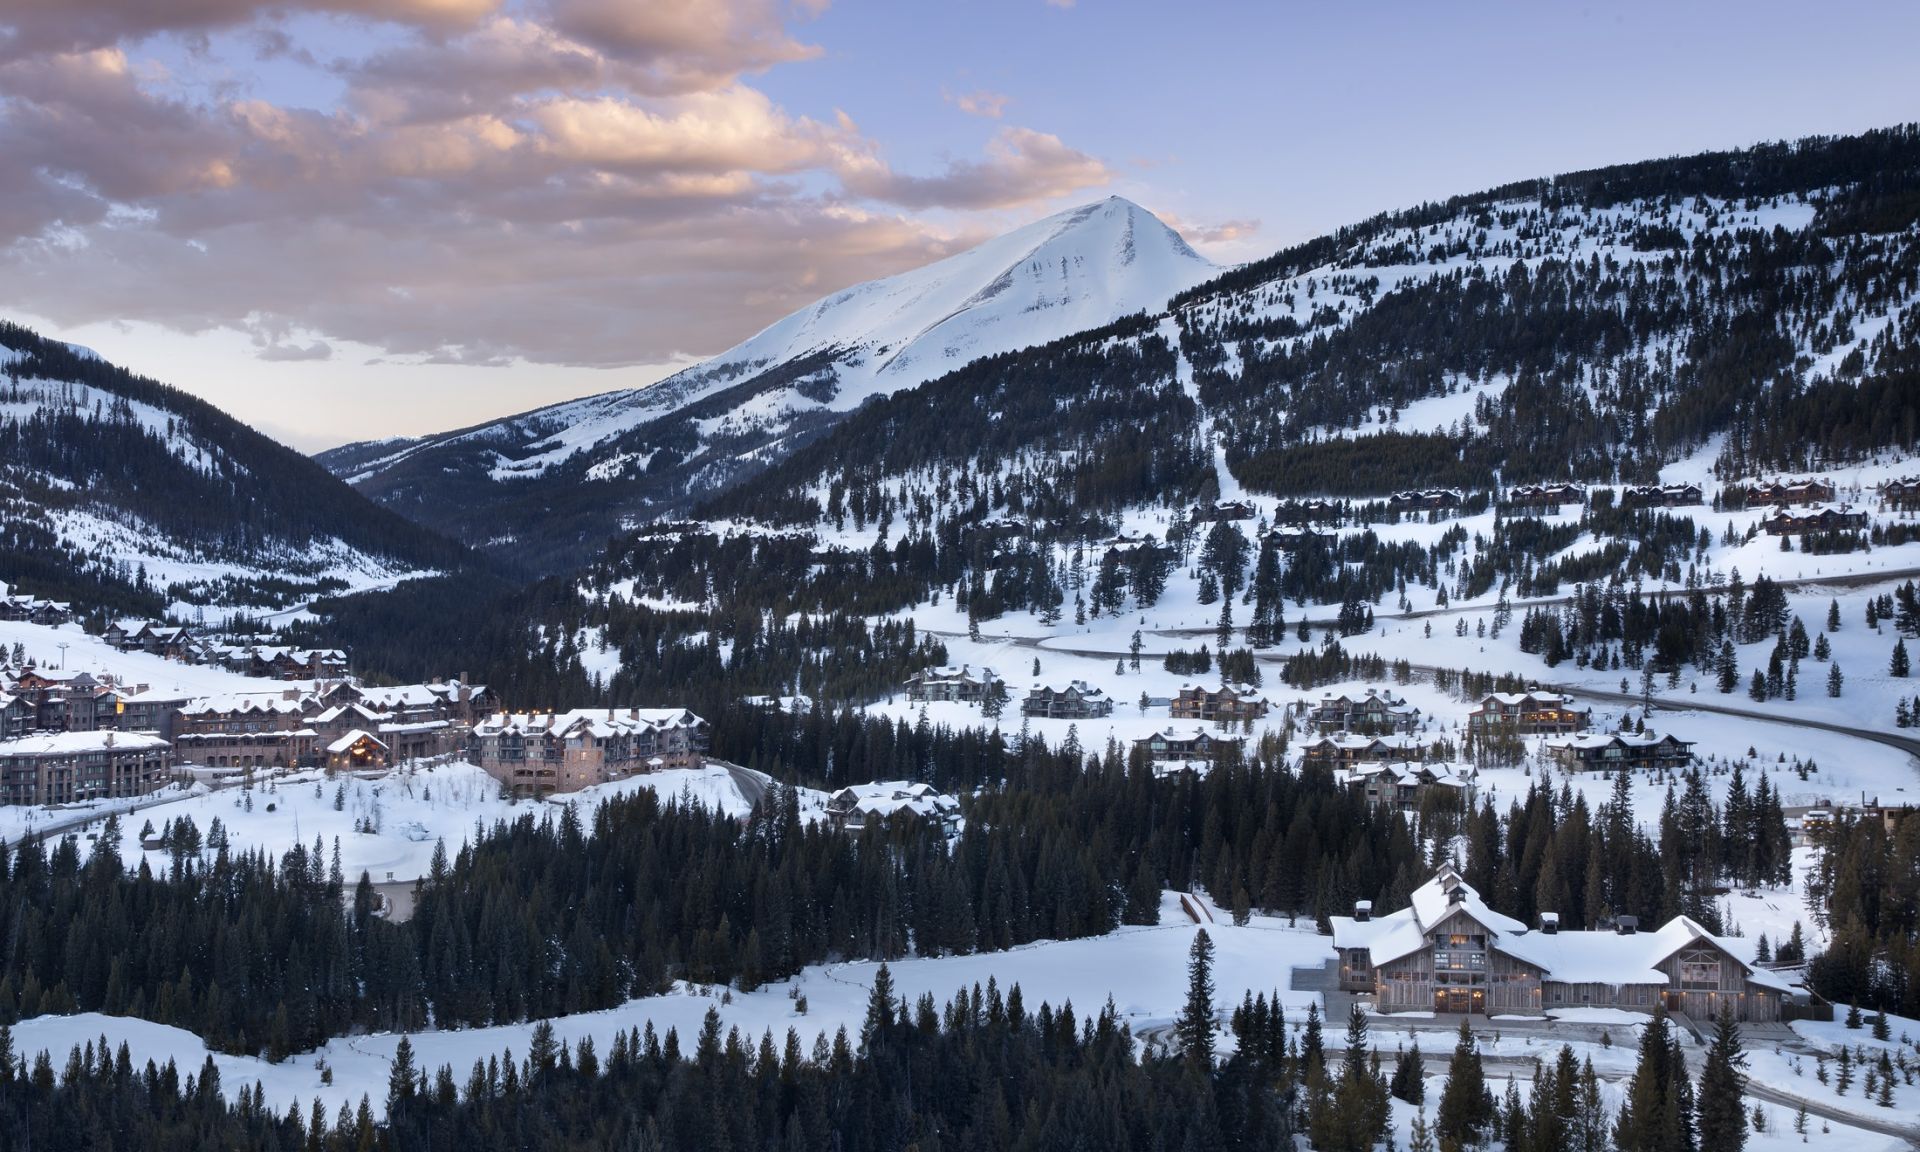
[(340, 225)]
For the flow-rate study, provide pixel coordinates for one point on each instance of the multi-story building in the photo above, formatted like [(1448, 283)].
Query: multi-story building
[(1783, 521), (1662, 495), (857, 805), (1221, 510), (1344, 751), (1529, 713), (1809, 491), (1077, 701), (1373, 713), (64, 767), (544, 752), (1449, 952), (1606, 751), (1545, 495), (1427, 499), (1230, 703), (963, 684), (1199, 746), (1408, 784)]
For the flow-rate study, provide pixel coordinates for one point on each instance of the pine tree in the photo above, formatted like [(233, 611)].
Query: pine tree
[(1834, 679), (1410, 1076), (1833, 615), (400, 1079), (1723, 1121), (1658, 1113), (1727, 668), (1900, 666), (1194, 1028), (1466, 1106)]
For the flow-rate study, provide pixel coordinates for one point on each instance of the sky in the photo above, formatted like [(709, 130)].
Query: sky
[(352, 219)]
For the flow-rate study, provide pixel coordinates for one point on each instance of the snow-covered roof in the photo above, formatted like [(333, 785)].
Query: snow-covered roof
[(1610, 739), (885, 797), (354, 737), (68, 743), (1568, 957), (596, 722)]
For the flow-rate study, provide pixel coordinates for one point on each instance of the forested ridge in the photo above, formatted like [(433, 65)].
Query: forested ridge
[(81, 435)]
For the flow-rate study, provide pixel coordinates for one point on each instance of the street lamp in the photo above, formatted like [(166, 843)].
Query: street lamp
[(62, 645)]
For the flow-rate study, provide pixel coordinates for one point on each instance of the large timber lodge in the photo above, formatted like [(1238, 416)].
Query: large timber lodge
[(1448, 952)]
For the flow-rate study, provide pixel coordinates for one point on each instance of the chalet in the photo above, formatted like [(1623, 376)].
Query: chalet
[(1900, 495), (1545, 495), (1221, 510), (855, 806), (1230, 703), (1408, 784), (1449, 952), (1662, 495), (1808, 491), (535, 754), (1200, 746), (64, 767), (1426, 499), (1529, 713), (1783, 521), (1077, 701), (962, 684), (1346, 751), (356, 750), (1373, 713), (1606, 751)]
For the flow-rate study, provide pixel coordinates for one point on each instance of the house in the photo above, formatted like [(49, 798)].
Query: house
[(1407, 784), (855, 806), (1605, 751), (1426, 499), (962, 684), (1200, 746), (1448, 952), (1221, 510), (1344, 751), (1077, 701), (1372, 713), (1230, 703), (1545, 495), (1807, 491), (1662, 495), (1900, 495), (538, 753), (1529, 713), (64, 767), (144, 709), (356, 750), (1783, 521)]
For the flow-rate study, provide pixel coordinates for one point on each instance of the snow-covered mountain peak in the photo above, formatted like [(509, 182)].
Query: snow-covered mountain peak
[(725, 417)]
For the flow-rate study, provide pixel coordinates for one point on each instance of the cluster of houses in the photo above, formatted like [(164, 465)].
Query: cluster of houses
[(1448, 952), (962, 684), (255, 656), (541, 753), (1221, 510)]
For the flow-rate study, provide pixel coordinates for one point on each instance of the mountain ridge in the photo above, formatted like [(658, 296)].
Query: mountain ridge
[(664, 446)]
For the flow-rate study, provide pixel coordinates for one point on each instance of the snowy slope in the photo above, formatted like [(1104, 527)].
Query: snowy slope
[(721, 419)]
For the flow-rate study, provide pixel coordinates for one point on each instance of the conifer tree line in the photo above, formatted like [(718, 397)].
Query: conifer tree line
[(984, 1071), (1866, 887)]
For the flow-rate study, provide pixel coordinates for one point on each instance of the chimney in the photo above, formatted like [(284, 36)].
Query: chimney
[(1363, 910), (1626, 925), (1549, 923)]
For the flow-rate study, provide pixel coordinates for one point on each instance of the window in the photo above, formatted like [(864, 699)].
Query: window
[(1700, 970)]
